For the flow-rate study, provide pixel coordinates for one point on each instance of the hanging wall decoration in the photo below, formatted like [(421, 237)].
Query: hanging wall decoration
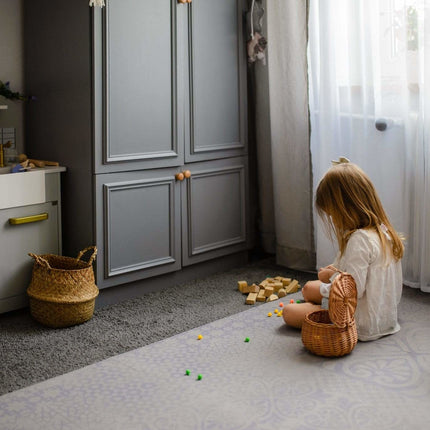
[(256, 45), (99, 3)]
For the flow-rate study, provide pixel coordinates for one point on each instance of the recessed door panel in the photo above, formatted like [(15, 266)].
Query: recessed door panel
[(216, 92), (141, 226), (215, 211), (138, 65)]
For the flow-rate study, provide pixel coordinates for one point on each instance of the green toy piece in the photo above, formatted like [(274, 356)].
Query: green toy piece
[(246, 339), (188, 372), (199, 377)]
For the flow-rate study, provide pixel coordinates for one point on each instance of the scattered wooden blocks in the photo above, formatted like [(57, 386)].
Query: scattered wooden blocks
[(293, 287), (250, 300), (282, 292), (272, 297), (261, 297), (268, 290), (277, 286)]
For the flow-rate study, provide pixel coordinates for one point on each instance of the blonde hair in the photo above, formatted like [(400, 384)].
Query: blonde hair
[(347, 201)]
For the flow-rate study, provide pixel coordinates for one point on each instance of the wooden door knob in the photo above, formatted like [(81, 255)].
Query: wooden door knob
[(187, 173), (179, 176)]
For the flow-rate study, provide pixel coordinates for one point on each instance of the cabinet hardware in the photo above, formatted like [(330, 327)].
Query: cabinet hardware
[(28, 219), (187, 174), (179, 176)]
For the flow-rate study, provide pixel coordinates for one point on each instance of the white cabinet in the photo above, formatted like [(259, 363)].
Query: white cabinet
[(28, 228)]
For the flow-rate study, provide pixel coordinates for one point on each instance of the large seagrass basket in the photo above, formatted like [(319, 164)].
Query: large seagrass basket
[(62, 290), (332, 332)]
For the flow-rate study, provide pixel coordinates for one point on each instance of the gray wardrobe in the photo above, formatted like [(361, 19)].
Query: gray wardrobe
[(144, 103)]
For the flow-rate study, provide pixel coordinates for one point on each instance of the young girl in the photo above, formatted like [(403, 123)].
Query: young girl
[(369, 249)]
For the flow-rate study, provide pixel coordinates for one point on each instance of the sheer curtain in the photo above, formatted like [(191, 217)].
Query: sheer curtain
[(369, 90)]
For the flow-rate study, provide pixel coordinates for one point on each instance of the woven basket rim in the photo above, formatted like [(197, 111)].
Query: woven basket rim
[(84, 264)]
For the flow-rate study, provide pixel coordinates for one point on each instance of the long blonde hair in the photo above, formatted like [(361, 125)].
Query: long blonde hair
[(346, 200)]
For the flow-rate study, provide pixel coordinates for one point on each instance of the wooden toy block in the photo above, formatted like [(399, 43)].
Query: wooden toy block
[(286, 281), (272, 297), (264, 284), (241, 285), (277, 286), (292, 287), (250, 300), (282, 292), (260, 296), (254, 288), (268, 291), (278, 278)]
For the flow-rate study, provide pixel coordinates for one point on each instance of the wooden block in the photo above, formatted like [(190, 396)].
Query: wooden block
[(260, 296), (264, 284), (278, 278), (241, 285), (277, 286), (250, 300), (292, 287), (286, 281), (254, 288), (272, 297), (268, 291), (282, 292)]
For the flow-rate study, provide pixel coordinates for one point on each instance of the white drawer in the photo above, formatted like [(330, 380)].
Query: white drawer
[(22, 189), (17, 240)]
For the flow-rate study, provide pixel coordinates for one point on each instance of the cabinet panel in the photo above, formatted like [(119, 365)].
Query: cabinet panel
[(136, 81), (214, 210), (140, 225), (40, 237), (217, 92)]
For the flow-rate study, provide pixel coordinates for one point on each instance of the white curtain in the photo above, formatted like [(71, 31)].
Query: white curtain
[(369, 83)]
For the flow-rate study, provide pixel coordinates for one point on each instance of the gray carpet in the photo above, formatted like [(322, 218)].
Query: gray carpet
[(30, 352)]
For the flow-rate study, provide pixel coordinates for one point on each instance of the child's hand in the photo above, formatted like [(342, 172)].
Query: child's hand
[(325, 273)]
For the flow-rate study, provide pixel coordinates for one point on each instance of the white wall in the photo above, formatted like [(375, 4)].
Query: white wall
[(12, 65)]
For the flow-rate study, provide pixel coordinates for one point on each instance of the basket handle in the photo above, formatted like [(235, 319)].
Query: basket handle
[(92, 257), (40, 260)]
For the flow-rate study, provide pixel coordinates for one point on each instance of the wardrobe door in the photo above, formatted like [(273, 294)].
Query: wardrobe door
[(216, 92), (138, 73), (214, 210), (138, 225)]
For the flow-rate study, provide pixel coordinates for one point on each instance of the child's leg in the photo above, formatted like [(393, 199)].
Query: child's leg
[(294, 313), (311, 292)]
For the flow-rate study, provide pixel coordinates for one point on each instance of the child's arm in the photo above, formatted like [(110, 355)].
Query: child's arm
[(358, 255), (325, 273)]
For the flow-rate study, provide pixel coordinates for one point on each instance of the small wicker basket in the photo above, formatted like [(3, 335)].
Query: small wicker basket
[(332, 332), (62, 290)]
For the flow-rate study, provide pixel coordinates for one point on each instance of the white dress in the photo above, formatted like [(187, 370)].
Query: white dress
[(379, 284)]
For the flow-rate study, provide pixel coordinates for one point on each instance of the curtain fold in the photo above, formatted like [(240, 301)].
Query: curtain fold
[(282, 130), (369, 73)]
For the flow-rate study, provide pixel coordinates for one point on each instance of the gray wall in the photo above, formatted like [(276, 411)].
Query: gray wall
[(12, 66)]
